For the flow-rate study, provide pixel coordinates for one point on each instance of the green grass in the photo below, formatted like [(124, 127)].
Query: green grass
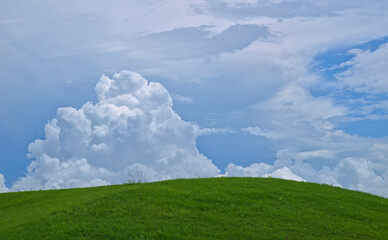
[(220, 208)]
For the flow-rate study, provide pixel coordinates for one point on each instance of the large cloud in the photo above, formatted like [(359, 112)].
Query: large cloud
[(132, 129)]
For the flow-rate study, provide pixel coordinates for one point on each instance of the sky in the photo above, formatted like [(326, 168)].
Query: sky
[(95, 92)]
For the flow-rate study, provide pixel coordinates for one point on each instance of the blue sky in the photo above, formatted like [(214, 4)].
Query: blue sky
[(295, 89)]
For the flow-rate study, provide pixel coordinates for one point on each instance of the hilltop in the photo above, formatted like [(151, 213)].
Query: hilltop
[(217, 208)]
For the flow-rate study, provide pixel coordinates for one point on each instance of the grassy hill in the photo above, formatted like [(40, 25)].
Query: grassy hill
[(221, 208)]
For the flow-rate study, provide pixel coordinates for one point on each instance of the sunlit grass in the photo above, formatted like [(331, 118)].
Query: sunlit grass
[(220, 208)]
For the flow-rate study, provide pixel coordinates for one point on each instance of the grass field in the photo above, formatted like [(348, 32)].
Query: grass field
[(220, 208)]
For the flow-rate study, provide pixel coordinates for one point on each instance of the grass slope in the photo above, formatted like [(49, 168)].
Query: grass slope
[(221, 208)]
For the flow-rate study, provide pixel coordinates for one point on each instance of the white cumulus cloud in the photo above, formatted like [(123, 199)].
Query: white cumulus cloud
[(285, 173), (261, 170), (3, 188), (351, 173), (51, 173), (132, 128)]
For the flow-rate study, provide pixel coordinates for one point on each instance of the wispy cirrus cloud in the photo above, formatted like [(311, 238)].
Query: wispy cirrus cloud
[(237, 9), (198, 42), (367, 71)]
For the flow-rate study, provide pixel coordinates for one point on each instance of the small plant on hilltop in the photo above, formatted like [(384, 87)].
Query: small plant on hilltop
[(135, 177)]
